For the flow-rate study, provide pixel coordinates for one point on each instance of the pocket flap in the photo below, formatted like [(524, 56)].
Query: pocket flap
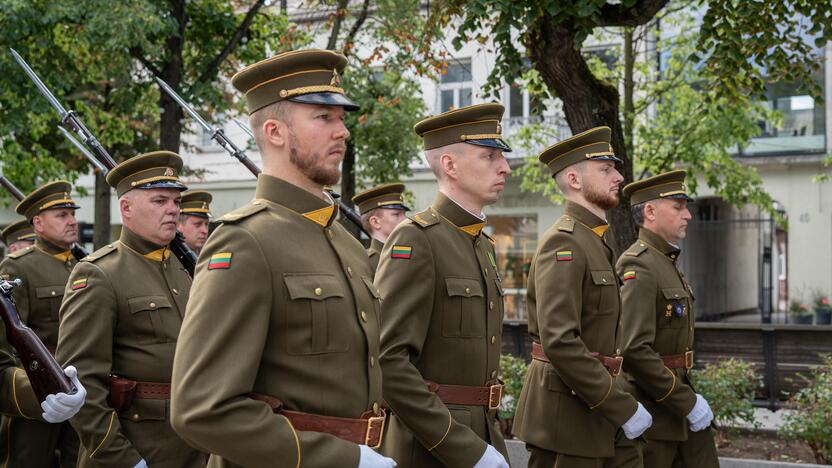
[(465, 287), (314, 286), (603, 277), (45, 292), (372, 287), (138, 304), (674, 293), (555, 384)]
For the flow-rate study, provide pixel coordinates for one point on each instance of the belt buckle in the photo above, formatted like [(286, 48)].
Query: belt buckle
[(688, 359), (495, 396), (375, 421)]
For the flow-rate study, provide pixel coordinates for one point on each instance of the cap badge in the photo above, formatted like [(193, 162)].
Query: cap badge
[(169, 172), (336, 79)]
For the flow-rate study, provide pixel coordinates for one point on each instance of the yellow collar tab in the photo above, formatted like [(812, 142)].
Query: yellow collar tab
[(600, 230), (158, 255), (64, 256), (472, 229), (322, 216)]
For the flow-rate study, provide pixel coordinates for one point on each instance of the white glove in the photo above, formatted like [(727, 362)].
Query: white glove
[(491, 458), (141, 464), (59, 407), (369, 458), (638, 423), (701, 415)]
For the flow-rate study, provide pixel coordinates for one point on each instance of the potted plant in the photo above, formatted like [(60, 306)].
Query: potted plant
[(799, 312), (823, 311)]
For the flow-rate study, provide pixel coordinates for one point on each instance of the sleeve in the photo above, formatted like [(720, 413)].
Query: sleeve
[(408, 286), (10, 268), (85, 340), (559, 286), (16, 395), (638, 332), (216, 364)]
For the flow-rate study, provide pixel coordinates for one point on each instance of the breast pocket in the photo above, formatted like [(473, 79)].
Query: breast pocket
[(51, 296), (675, 307), (153, 319), (463, 309), (607, 288), (316, 315)]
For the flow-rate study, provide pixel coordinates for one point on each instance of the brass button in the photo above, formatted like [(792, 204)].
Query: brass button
[(669, 307), (618, 351), (432, 215), (467, 290), (176, 291), (363, 316), (375, 408), (136, 416), (573, 392), (372, 361), (152, 305), (318, 291), (493, 374), (493, 339), (604, 280), (676, 295), (349, 271), (491, 305), (53, 293)]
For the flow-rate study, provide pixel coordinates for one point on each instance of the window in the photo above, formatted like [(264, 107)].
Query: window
[(516, 238), (456, 88)]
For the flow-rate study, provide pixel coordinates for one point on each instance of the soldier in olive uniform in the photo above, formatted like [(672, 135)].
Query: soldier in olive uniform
[(382, 208), (442, 316), (43, 269), (195, 212), (657, 320), (277, 365), (18, 236), (120, 320), (572, 405)]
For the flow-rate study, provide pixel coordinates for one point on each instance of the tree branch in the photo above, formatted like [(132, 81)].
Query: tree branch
[(213, 67), (637, 15), (340, 13), (137, 54), (359, 22)]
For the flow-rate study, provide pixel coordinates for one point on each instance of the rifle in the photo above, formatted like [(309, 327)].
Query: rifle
[(44, 372), (77, 251), (71, 122), (222, 139)]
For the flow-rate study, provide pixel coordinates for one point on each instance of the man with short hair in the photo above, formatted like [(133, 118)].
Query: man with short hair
[(382, 208), (43, 270), (442, 314), (18, 235), (657, 323), (120, 321), (195, 213), (277, 365), (572, 411)]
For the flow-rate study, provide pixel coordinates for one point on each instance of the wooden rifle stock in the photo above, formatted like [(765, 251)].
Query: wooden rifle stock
[(45, 374)]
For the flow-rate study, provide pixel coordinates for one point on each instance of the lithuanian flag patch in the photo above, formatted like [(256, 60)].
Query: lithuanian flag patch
[(628, 275), (80, 283), (401, 251), (220, 261), (564, 256)]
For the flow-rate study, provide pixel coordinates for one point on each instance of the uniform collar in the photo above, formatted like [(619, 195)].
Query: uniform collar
[(463, 219), (143, 247), (376, 244), (654, 240), (309, 206), (52, 249), (587, 218)]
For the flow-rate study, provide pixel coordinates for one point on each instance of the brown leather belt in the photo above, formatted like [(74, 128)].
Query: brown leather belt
[(612, 363), (679, 361), (366, 430), (123, 391), (489, 395), (152, 391)]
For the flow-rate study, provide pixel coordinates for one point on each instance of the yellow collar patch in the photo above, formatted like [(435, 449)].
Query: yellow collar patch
[(321, 216), (158, 255), (472, 229), (64, 256)]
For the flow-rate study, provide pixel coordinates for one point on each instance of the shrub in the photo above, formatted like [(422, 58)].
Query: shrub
[(730, 387), (513, 373), (811, 420)]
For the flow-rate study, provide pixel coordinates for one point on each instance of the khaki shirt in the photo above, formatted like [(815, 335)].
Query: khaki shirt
[(657, 318), (442, 319), (44, 269), (121, 314), (283, 304), (573, 405), (374, 252)]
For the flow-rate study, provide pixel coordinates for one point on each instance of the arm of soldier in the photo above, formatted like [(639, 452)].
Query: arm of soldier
[(85, 340), (218, 354), (10, 268), (559, 285), (407, 286), (16, 395), (638, 332)]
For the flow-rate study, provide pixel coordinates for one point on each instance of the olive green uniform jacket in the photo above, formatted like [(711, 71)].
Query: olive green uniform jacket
[(121, 315), (374, 253), (16, 395), (442, 319), (657, 318), (291, 312), (43, 269), (573, 405)]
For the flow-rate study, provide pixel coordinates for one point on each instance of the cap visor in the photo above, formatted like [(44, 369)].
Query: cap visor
[(681, 196), (63, 205), (614, 159), (395, 207), (163, 184), (326, 99), (491, 143)]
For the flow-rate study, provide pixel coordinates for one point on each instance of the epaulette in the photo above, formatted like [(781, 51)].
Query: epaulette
[(565, 224), (22, 252), (102, 252), (636, 249), (425, 218), (243, 212)]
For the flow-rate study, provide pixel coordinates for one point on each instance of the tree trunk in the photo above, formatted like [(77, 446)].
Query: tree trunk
[(348, 185), (587, 103), (101, 226), (170, 121), (629, 86)]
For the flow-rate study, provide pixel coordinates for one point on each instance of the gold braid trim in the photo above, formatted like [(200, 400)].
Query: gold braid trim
[(109, 428), (672, 387), (450, 421), (609, 390), (481, 136), (285, 93), (297, 442)]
